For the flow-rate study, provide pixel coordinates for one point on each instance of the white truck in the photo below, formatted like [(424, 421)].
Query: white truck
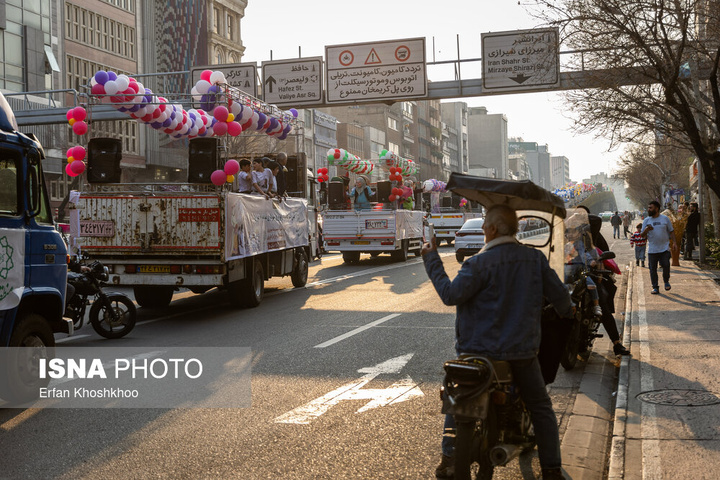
[(351, 232), (199, 237), (445, 224)]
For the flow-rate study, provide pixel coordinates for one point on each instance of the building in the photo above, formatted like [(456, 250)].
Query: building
[(224, 41), (537, 158), (560, 171), (454, 115), (487, 142)]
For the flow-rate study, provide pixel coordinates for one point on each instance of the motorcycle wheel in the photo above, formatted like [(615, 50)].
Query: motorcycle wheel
[(115, 323), (473, 442), (570, 353)]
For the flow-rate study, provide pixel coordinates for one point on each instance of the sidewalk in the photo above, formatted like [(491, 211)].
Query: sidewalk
[(667, 417)]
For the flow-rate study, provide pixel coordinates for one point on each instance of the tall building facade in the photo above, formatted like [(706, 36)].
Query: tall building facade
[(487, 142), (537, 158), (455, 116), (560, 166)]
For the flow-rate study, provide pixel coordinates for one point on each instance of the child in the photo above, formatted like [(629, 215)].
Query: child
[(577, 254), (639, 242), (260, 178)]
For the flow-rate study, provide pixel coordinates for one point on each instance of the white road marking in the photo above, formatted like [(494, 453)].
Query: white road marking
[(398, 392), (652, 469), (356, 331), (67, 339)]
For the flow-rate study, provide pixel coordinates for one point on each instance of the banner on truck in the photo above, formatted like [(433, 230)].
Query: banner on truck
[(12, 267), (258, 225)]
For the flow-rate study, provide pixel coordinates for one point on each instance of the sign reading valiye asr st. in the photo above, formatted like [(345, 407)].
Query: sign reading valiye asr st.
[(520, 60), (295, 82), (377, 71)]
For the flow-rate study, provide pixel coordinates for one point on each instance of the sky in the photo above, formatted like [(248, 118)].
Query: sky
[(287, 29)]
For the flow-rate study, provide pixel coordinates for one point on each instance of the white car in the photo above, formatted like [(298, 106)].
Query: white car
[(470, 239)]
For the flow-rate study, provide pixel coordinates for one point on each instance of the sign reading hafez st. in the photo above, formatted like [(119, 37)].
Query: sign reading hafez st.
[(520, 60), (293, 82), (239, 75), (378, 71)]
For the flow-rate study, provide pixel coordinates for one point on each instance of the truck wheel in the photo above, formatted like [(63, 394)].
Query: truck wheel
[(153, 296), (249, 291), (19, 376), (351, 257), (299, 275), (401, 255)]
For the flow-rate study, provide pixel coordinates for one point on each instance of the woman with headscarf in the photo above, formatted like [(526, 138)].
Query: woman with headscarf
[(361, 193)]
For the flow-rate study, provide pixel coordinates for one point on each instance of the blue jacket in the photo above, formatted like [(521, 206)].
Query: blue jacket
[(499, 297)]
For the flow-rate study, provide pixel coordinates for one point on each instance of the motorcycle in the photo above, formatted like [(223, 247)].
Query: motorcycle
[(112, 314), (493, 424)]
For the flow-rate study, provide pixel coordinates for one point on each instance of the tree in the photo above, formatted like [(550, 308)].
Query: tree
[(655, 64)]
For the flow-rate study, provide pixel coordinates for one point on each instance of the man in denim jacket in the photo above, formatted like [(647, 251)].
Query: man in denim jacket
[(499, 296)]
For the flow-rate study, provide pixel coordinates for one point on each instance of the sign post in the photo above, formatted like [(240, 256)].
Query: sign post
[(520, 60), (293, 82)]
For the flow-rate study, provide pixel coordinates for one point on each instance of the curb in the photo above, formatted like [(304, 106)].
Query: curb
[(616, 468)]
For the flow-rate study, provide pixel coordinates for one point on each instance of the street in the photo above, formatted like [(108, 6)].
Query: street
[(345, 380)]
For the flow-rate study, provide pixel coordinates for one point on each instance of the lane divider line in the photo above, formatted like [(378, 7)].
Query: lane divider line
[(356, 331)]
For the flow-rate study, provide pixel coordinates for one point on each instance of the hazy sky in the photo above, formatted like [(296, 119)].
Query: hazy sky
[(290, 27)]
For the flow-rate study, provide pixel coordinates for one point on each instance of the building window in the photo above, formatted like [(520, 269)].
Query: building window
[(393, 147), (216, 20), (89, 28), (392, 124), (127, 5), (230, 32)]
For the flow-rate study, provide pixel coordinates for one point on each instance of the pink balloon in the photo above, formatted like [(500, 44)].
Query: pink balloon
[(69, 114), (98, 89), (79, 113), (69, 171), (70, 152), (220, 113), (77, 167), (78, 153), (220, 128), (205, 75), (80, 128), (231, 167), (217, 177), (234, 129)]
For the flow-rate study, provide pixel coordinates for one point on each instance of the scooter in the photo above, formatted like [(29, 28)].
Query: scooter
[(112, 314)]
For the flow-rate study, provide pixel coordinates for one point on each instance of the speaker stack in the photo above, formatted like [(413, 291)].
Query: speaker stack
[(202, 160), (104, 155)]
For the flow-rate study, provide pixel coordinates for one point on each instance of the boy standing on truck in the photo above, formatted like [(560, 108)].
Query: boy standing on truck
[(246, 182), (260, 176)]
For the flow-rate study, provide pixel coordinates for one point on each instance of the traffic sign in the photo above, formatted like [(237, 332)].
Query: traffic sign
[(294, 82), (377, 71), (239, 75), (521, 60)]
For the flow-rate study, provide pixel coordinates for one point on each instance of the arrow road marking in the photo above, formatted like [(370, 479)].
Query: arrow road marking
[(398, 392)]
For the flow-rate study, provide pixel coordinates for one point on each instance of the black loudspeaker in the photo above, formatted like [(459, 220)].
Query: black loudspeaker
[(446, 202), (202, 159), (336, 194), (296, 176), (384, 189), (104, 155)]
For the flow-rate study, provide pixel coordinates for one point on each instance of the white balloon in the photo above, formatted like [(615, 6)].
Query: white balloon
[(217, 77), (246, 114), (255, 120), (111, 87), (236, 108), (123, 82), (193, 131), (93, 82), (202, 86)]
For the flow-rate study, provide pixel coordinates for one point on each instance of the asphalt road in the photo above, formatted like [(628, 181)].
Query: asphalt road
[(350, 324)]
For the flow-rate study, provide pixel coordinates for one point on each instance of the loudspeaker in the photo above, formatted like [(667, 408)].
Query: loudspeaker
[(384, 189), (446, 202), (296, 176), (336, 194), (202, 159), (104, 155)]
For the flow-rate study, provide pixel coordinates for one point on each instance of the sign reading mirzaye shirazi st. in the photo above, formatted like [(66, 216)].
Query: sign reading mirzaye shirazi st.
[(133, 377)]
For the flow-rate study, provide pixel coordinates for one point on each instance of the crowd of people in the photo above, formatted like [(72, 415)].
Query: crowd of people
[(264, 176)]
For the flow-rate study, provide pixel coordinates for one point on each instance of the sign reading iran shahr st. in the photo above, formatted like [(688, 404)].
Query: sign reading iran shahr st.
[(367, 72), (520, 60)]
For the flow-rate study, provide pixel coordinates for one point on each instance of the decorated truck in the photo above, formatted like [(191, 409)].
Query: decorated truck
[(201, 237), (448, 213)]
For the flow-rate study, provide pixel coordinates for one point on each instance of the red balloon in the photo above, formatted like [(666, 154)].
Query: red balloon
[(97, 89), (234, 129), (218, 177), (392, 198), (337, 154), (79, 113), (77, 167), (231, 167), (205, 75), (78, 153), (69, 171), (80, 128), (320, 179), (220, 129), (326, 176)]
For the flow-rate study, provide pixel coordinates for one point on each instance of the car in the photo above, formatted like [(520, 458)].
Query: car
[(470, 239), (606, 216)]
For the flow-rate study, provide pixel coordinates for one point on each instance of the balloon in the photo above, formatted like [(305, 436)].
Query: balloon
[(78, 152), (218, 177), (236, 108), (69, 152), (230, 117), (123, 82), (112, 75), (205, 75), (220, 128), (70, 159), (217, 77), (101, 76), (294, 112), (230, 178), (234, 129), (69, 171), (80, 128), (69, 114), (77, 167), (221, 113), (392, 198), (262, 118), (202, 86), (231, 167), (320, 178), (111, 87), (72, 121)]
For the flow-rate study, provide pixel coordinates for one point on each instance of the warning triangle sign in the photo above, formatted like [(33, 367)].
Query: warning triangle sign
[(373, 58)]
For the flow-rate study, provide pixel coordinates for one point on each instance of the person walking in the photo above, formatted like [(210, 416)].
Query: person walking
[(616, 221), (637, 241), (658, 230), (626, 223), (691, 230), (491, 321)]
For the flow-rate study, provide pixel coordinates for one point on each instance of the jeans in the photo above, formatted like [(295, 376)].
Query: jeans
[(690, 239), (616, 231), (640, 253), (664, 259), (527, 376)]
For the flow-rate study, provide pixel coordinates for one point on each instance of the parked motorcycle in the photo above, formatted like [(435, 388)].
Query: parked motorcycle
[(112, 314), (493, 425)]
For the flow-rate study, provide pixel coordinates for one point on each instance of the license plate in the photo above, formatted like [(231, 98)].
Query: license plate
[(361, 242), (154, 269), (475, 245), (442, 232)]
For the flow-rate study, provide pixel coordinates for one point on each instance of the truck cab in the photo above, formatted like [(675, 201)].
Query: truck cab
[(33, 255)]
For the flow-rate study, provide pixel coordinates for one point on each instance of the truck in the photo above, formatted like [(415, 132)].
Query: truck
[(447, 217), (158, 238), (33, 263)]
